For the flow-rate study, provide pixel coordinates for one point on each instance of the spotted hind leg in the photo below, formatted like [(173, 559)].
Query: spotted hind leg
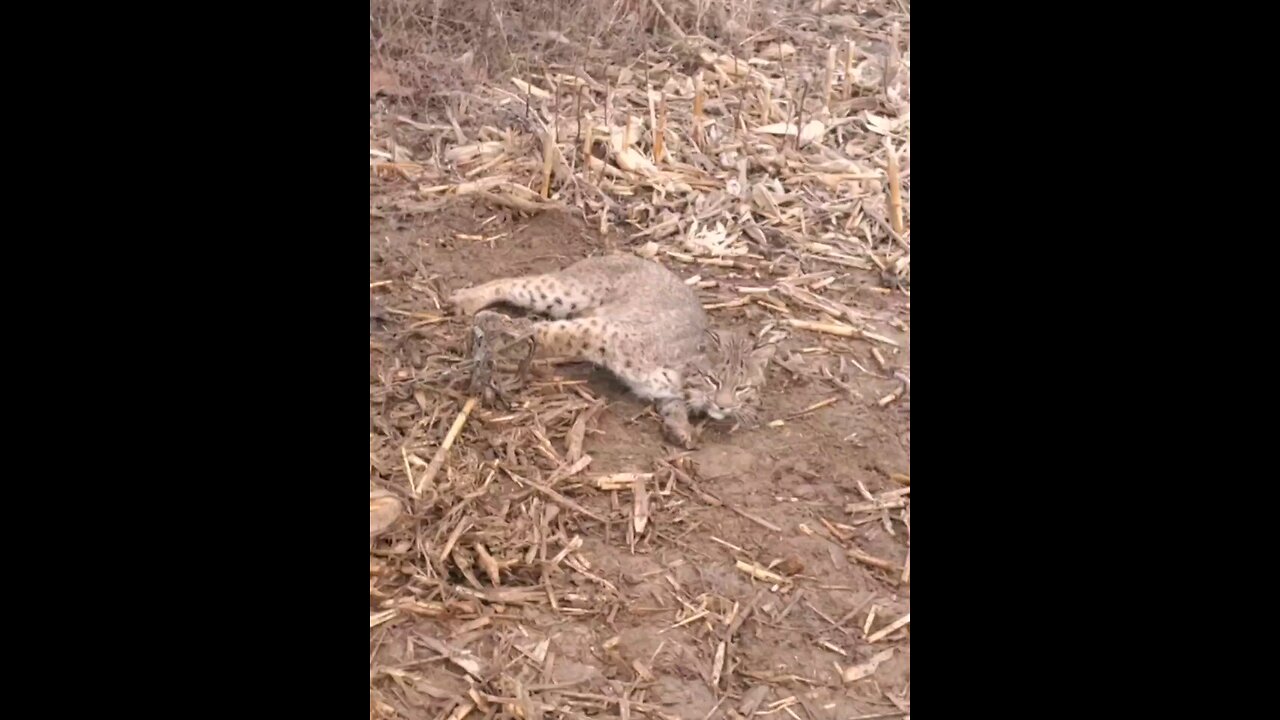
[(552, 294), (577, 339)]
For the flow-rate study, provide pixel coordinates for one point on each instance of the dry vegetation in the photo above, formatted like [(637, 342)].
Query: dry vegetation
[(535, 551)]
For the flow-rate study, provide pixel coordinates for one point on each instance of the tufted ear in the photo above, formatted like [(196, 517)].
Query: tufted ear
[(759, 360)]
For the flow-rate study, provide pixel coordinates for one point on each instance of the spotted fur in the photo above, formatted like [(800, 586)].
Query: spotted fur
[(641, 322)]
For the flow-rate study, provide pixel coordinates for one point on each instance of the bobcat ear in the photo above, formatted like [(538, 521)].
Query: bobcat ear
[(758, 360), (762, 354), (713, 336)]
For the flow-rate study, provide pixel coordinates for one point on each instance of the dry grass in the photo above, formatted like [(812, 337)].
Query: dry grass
[(766, 139), (754, 155)]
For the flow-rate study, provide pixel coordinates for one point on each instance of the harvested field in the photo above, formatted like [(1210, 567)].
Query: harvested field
[(537, 550)]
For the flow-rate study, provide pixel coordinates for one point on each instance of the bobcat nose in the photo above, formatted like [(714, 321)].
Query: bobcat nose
[(726, 400)]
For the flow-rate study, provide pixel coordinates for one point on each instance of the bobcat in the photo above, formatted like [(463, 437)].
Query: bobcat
[(639, 321)]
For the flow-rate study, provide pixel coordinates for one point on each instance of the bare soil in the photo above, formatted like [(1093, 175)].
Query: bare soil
[(658, 623)]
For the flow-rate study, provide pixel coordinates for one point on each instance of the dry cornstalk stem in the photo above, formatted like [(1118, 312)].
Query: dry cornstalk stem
[(893, 395), (640, 510), (653, 120), (727, 544), (758, 572), (519, 203), (740, 125), (698, 100), (895, 189), (577, 434), (804, 92), (832, 647), (717, 664), (829, 81), (608, 124), (489, 565), (814, 407), (452, 435), (888, 227), (838, 329), (376, 619), (622, 481), (856, 554), (688, 482), (755, 519), (548, 158), (672, 23), (659, 137), (577, 138), (573, 545), (567, 502), (885, 501), (887, 629), (848, 69), (876, 505), (454, 535), (568, 471), (866, 669), (891, 60)]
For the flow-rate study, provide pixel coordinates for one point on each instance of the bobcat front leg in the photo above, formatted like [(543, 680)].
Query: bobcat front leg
[(675, 422)]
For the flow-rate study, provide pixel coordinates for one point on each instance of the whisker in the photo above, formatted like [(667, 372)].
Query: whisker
[(747, 415)]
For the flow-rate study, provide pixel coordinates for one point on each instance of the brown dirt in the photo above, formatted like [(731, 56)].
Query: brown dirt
[(618, 647)]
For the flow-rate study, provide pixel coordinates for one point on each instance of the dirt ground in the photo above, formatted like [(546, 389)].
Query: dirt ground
[(590, 617)]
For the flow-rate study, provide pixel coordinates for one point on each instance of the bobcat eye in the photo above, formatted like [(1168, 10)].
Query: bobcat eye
[(710, 380)]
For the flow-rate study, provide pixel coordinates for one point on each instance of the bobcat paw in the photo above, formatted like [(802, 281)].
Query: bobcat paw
[(499, 325), (468, 301), (680, 436)]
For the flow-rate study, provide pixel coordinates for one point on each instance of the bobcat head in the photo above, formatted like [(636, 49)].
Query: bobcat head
[(726, 382)]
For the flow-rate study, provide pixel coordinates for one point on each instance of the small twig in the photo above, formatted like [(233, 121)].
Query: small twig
[(884, 632), (755, 519), (577, 140), (848, 69), (838, 329), (674, 27), (438, 460), (816, 406), (889, 229), (758, 572), (561, 499), (856, 554), (804, 90)]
